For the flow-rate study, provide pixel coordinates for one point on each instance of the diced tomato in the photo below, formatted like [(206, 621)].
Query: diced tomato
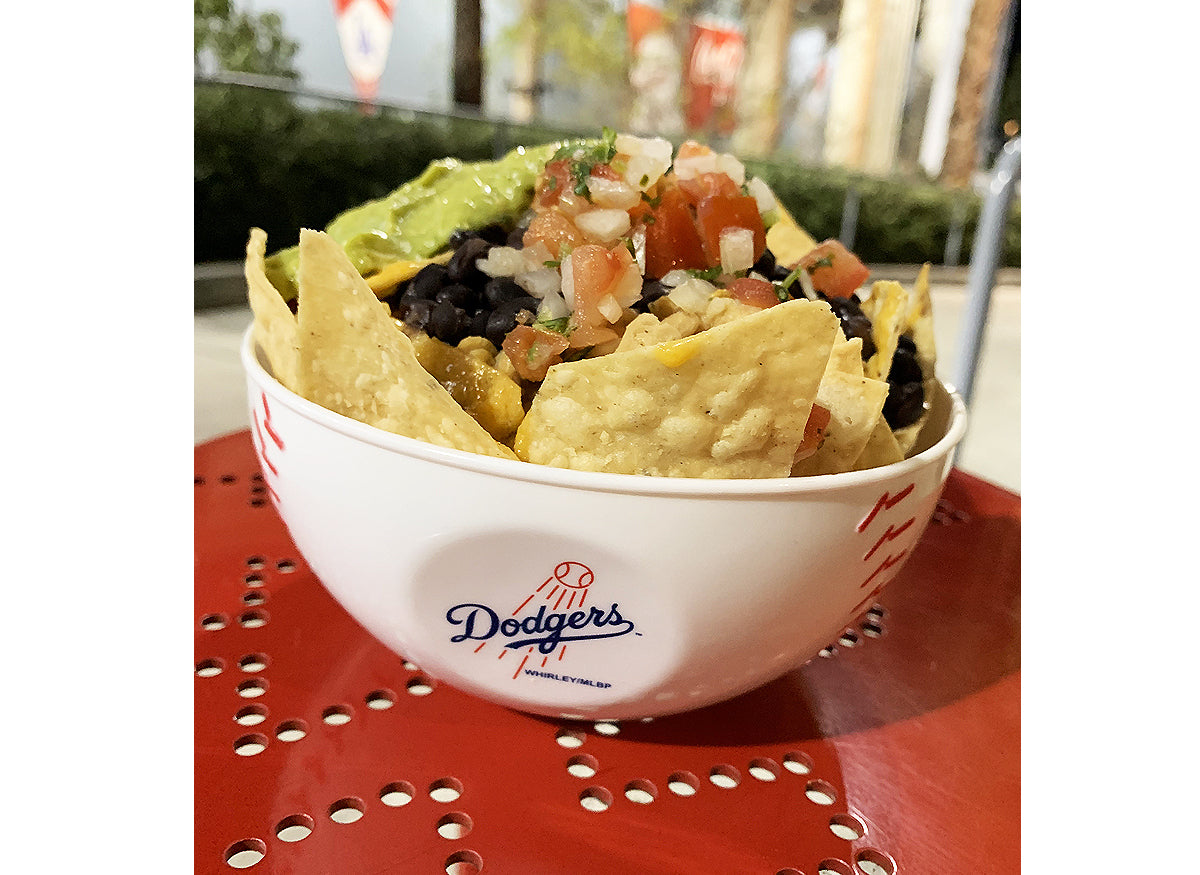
[(533, 350), (555, 180), (689, 148), (591, 335), (705, 185), (752, 291), (835, 270), (717, 212), (554, 229), (672, 240), (596, 272), (814, 433)]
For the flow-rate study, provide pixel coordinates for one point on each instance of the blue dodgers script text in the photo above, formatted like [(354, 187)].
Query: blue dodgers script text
[(545, 629)]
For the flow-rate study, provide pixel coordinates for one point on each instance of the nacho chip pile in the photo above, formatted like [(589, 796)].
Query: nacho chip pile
[(648, 316)]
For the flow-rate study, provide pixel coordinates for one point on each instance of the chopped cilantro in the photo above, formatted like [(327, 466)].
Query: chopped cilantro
[(650, 219), (556, 325), (583, 155), (653, 201), (645, 179), (823, 261), (709, 273), (551, 263)]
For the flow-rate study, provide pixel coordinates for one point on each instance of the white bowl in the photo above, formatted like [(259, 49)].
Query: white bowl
[(585, 595)]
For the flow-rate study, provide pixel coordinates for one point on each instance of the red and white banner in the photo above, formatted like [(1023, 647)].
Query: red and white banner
[(365, 31), (715, 53)]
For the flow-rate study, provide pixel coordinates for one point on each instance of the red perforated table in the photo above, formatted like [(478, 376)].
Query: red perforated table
[(317, 750)]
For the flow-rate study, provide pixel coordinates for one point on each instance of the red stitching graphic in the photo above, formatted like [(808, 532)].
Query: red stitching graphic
[(885, 502), (884, 566), (890, 535)]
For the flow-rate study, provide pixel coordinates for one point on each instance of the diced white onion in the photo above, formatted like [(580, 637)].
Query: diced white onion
[(536, 256), (763, 196), (502, 261), (647, 159), (613, 193), (692, 166), (604, 225), (609, 308), (568, 280), (806, 285), (731, 167), (692, 295), (628, 287), (553, 307), (540, 282), (638, 238), (675, 277), (737, 249)]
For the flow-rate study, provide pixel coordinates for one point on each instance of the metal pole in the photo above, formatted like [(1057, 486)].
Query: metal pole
[(850, 216), (985, 258)]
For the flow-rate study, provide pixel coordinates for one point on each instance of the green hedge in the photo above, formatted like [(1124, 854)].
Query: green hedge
[(278, 162)]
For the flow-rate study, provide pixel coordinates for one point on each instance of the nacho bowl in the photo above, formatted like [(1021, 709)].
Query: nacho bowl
[(587, 595)]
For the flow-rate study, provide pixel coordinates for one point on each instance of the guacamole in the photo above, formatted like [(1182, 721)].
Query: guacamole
[(417, 219)]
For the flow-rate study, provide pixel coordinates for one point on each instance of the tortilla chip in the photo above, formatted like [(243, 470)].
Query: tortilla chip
[(887, 307), (731, 401), (274, 324), (855, 404), (881, 448), (787, 241), (359, 363)]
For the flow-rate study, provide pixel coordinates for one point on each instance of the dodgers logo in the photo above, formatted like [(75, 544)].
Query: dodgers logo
[(563, 616)]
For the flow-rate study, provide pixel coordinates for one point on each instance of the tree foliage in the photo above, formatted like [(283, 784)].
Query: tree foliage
[(239, 42)]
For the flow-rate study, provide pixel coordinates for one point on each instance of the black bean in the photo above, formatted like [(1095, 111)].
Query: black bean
[(516, 238), (427, 281), (415, 314), (508, 315), (765, 264), (479, 321), (905, 367), (652, 290), (904, 405), (459, 295), (459, 236), (855, 322), (500, 289), (461, 267), (448, 323), (494, 234)]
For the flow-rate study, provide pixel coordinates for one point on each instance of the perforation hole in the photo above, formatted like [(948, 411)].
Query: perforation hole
[(228, 478), (253, 688), (445, 790), (253, 662), (724, 776), (256, 562), (419, 686), (875, 613), (607, 727), (764, 769), (250, 745), (847, 826), (397, 794), (210, 668), (683, 784), (797, 762), (834, 867), (596, 799), (295, 828), (820, 792), (454, 825), (582, 766), (291, 730), (251, 715), (285, 566), (253, 579), (464, 863), (254, 598), (872, 630), (246, 853), (827, 652), (213, 622), (347, 810), (872, 862), (789, 871), (848, 639), (253, 619), (380, 700), (337, 715), (569, 738), (641, 791)]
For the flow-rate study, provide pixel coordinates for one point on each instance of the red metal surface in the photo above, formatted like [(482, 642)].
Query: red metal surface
[(897, 752)]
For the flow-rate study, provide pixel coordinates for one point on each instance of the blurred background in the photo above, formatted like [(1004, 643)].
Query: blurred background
[(879, 122)]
